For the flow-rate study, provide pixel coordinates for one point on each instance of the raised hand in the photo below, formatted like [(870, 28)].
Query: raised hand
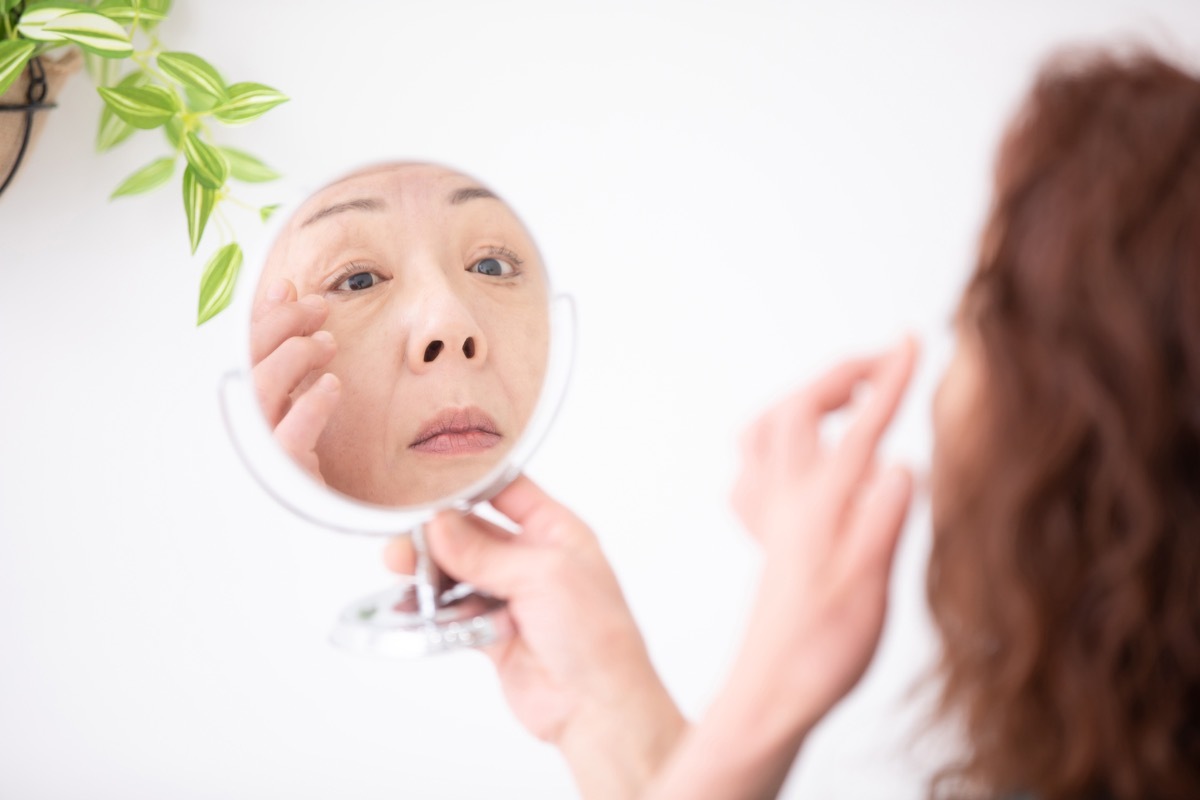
[(828, 518)]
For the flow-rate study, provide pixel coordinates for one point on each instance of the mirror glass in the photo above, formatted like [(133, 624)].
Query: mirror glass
[(400, 333)]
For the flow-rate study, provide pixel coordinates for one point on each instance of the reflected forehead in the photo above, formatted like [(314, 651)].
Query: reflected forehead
[(360, 204), (369, 192)]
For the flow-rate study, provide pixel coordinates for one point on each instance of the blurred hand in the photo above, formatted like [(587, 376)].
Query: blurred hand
[(828, 518), (288, 352), (576, 672)]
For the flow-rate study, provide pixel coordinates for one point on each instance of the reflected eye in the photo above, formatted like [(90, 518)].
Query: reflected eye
[(493, 267), (357, 282)]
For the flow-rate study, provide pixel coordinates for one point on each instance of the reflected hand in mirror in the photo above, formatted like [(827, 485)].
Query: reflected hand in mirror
[(401, 333), (288, 352)]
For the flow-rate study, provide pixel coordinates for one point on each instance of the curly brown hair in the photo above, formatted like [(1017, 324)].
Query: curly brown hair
[(1065, 572)]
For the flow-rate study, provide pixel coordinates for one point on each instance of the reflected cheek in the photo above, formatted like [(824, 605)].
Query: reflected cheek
[(519, 356)]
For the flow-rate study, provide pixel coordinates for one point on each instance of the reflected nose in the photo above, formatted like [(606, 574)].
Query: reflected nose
[(435, 348), (444, 332)]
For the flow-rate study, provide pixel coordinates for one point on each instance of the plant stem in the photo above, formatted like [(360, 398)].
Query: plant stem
[(241, 203), (223, 223)]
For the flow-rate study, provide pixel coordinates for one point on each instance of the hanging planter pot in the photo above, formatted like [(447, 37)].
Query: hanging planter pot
[(24, 106), (143, 86)]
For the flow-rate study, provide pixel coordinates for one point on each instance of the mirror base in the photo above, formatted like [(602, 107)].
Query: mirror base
[(391, 624)]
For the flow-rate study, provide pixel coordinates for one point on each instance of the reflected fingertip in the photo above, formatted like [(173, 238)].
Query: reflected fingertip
[(278, 290), (313, 301)]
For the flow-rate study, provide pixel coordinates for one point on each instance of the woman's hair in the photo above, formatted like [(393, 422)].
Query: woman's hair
[(1065, 572)]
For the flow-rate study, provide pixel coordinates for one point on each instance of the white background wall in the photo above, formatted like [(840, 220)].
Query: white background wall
[(736, 195)]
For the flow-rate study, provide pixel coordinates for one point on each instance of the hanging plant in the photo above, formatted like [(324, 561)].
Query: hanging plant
[(145, 87)]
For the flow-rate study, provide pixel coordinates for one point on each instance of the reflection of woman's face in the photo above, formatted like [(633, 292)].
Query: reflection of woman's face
[(439, 306)]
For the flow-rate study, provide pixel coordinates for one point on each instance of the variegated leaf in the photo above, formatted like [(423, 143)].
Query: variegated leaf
[(14, 55), (93, 32), (151, 176), (217, 282), (141, 106), (198, 202), (247, 101)]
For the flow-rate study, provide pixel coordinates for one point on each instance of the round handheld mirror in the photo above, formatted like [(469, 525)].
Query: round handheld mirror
[(405, 355)]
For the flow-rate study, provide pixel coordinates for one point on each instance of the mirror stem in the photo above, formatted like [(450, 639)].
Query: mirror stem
[(428, 576)]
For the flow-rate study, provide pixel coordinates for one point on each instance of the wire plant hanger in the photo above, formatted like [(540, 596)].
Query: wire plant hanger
[(35, 101)]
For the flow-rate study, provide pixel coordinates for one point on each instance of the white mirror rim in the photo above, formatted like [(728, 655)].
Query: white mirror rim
[(294, 488)]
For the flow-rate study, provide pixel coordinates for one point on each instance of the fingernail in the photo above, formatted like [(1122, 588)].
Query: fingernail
[(313, 301), (323, 336), (327, 382), (278, 290)]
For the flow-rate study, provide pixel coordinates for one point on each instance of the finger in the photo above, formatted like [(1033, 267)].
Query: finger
[(464, 548), (304, 422), (858, 445), (877, 521), (745, 507), (542, 519), (835, 387), (279, 322), (281, 290), (789, 434), (399, 556), (279, 374)]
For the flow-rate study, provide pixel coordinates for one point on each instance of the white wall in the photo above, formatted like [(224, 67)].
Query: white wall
[(736, 195)]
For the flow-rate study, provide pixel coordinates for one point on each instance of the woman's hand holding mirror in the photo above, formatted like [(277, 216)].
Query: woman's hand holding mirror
[(576, 671), (288, 352)]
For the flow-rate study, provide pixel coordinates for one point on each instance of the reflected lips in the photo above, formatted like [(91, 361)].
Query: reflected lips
[(457, 431)]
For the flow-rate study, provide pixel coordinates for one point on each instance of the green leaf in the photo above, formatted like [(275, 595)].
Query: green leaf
[(125, 12), (173, 130), (216, 285), (14, 55), (151, 176), (141, 106), (247, 101), (198, 202), (212, 170), (266, 211), (104, 71), (192, 72), (246, 168), (157, 7), (93, 32), (35, 18), (199, 102), (8, 5), (113, 130)]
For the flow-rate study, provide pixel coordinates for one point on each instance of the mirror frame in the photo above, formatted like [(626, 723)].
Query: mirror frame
[(290, 485)]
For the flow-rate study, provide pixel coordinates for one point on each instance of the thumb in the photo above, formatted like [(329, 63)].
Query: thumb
[(474, 551)]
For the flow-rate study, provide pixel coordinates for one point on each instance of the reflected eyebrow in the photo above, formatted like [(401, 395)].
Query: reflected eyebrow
[(362, 204), (471, 193)]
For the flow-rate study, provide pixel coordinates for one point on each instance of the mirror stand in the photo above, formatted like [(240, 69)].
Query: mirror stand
[(418, 617)]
